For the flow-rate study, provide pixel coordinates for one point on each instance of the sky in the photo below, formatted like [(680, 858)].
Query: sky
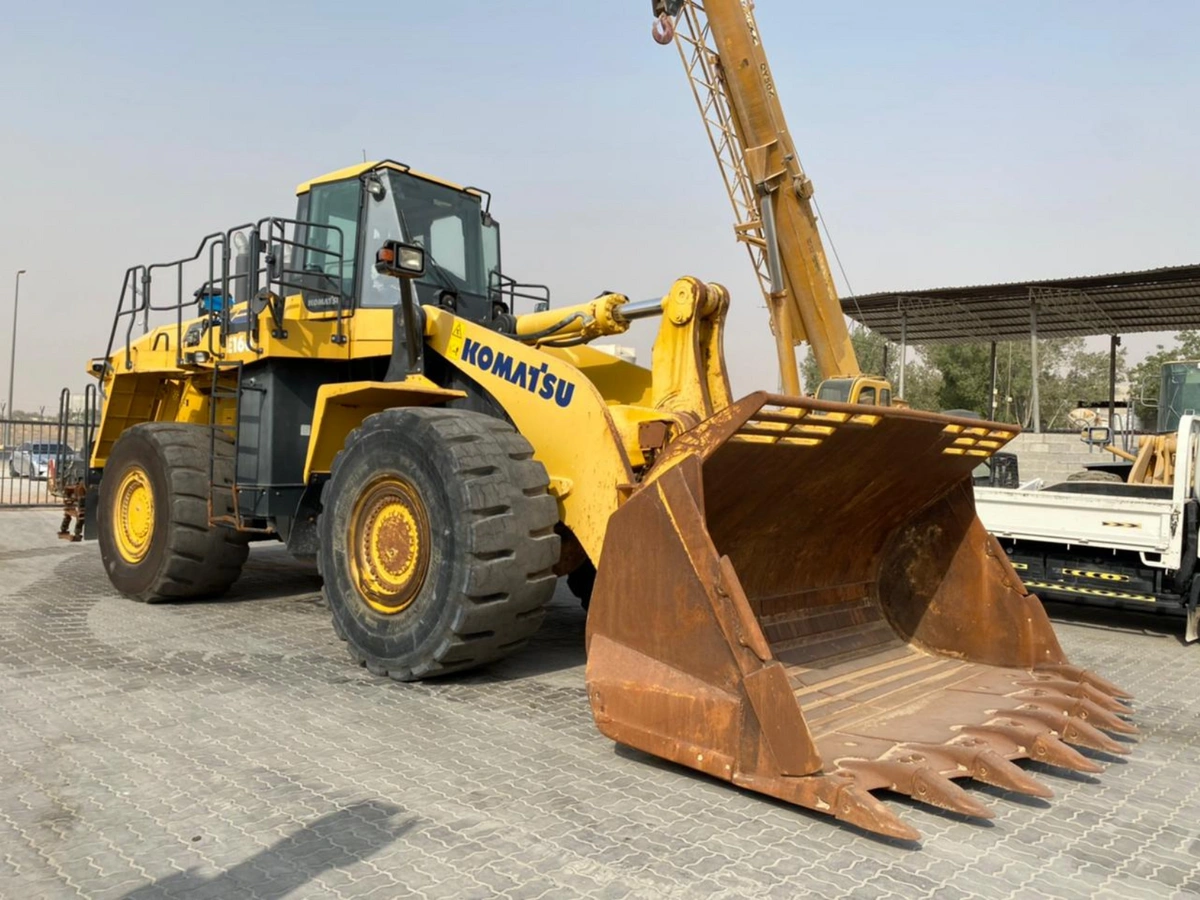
[(949, 143)]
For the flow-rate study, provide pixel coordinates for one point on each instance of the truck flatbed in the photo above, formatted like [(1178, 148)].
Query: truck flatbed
[(1109, 544)]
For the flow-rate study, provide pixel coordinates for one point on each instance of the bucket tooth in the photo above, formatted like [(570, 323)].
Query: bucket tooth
[(839, 795), (1038, 744), (992, 768), (1050, 750), (1071, 729), (919, 781), (1082, 708), (1103, 700), (989, 767), (1078, 689), (1102, 718), (938, 790), (1076, 673), (860, 807), (1082, 734)]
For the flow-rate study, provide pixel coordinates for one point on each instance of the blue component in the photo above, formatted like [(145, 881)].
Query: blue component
[(212, 302)]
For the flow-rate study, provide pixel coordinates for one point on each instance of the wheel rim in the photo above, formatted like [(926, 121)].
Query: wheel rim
[(389, 543), (133, 515)]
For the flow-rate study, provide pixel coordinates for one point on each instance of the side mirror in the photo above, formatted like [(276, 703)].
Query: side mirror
[(400, 260)]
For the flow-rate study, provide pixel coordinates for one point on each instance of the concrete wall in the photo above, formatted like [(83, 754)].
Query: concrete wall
[(1052, 457)]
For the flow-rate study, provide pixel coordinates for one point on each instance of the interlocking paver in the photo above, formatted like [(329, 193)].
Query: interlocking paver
[(228, 749)]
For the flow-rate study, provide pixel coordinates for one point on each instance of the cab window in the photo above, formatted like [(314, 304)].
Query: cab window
[(332, 249), (491, 249), (383, 224), (836, 390), (867, 396)]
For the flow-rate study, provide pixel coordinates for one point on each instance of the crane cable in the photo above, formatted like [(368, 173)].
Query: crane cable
[(837, 258)]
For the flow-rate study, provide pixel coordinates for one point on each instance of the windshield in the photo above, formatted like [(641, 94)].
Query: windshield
[(445, 221), (835, 389), (1180, 394)]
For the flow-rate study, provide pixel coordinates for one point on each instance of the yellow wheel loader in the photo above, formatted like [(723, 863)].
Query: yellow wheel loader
[(791, 594)]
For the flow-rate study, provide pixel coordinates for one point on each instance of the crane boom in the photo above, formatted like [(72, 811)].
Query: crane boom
[(731, 80)]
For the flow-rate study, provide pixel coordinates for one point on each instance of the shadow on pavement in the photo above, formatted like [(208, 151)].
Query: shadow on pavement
[(271, 573), (331, 842), (1130, 621)]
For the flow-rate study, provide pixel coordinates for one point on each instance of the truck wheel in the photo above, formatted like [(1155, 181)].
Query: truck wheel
[(155, 539), (437, 542)]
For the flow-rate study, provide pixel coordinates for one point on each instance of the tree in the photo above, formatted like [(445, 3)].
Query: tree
[(965, 376), (1068, 373), (870, 348), (955, 376)]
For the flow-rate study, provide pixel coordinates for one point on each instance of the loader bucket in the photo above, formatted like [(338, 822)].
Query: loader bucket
[(799, 598)]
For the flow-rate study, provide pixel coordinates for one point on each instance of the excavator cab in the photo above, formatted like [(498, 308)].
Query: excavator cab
[(860, 389)]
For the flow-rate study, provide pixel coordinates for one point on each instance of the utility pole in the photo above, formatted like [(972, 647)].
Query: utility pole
[(12, 358)]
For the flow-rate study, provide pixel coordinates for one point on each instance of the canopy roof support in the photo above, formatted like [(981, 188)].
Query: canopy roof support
[(1153, 300)]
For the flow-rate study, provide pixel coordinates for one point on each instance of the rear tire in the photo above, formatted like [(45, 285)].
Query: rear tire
[(154, 535), (437, 542)]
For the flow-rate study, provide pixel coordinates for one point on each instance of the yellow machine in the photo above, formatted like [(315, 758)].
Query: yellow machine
[(1154, 463), (791, 594)]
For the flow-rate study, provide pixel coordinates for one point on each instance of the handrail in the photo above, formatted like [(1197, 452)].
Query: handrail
[(215, 252)]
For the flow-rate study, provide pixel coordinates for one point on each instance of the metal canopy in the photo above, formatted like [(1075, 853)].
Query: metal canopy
[(1154, 300)]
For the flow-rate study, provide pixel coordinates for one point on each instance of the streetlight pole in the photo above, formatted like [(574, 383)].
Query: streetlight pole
[(12, 357)]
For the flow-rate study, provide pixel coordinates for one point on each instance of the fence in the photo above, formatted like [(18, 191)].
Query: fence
[(28, 449)]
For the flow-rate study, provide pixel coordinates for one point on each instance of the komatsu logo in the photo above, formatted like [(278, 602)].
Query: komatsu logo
[(535, 379)]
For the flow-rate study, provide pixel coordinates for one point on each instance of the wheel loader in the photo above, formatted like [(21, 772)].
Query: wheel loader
[(791, 594)]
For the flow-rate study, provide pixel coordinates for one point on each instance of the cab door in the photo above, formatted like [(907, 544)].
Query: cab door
[(330, 252)]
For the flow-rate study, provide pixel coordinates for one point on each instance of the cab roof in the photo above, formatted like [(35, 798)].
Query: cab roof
[(356, 170)]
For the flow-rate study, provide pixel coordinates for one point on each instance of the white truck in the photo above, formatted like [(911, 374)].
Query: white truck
[(1107, 542)]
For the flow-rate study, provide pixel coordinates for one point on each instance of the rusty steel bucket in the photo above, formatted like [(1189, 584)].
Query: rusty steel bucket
[(800, 599)]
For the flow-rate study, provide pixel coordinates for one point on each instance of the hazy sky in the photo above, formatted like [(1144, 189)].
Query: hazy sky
[(949, 142)]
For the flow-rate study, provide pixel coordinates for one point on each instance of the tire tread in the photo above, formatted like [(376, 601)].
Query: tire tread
[(509, 576)]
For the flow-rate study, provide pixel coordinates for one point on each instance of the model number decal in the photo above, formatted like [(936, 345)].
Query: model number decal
[(535, 379)]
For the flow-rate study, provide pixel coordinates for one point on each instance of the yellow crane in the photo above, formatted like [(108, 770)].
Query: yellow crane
[(726, 65)]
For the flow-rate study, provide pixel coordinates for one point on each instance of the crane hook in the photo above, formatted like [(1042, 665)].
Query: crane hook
[(664, 29)]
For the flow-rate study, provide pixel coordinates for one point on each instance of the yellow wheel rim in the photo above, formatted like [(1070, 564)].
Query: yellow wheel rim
[(133, 515), (389, 544)]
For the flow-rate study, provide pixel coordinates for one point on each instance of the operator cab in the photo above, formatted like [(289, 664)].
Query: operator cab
[(862, 389), (1179, 394), (353, 212)]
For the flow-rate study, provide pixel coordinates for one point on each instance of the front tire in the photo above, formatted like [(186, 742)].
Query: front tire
[(437, 542), (155, 538)]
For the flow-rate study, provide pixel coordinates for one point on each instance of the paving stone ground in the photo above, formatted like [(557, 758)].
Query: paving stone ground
[(228, 749)]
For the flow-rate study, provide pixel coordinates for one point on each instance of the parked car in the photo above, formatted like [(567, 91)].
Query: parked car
[(32, 460)]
